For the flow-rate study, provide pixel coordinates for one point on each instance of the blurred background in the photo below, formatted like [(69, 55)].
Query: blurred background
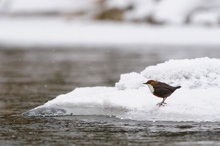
[(68, 23)]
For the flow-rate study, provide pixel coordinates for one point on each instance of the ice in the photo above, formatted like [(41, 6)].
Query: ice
[(197, 100)]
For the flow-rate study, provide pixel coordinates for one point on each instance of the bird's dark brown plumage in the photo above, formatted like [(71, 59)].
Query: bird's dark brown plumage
[(161, 89)]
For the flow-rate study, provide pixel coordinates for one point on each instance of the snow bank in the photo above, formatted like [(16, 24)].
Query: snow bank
[(196, 73), (59, 32), (197, 100)]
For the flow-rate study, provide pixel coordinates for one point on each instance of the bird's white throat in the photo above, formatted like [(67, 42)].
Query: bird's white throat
[(151, 88)]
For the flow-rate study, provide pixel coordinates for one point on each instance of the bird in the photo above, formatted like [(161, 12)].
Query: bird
[(161, 90)]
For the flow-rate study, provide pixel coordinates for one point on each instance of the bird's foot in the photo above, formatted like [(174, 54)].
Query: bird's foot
[(161, 104)]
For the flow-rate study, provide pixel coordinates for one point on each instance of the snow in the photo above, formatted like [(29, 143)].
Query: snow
[(207, 18), (76, 26), (173, 11), (61, 32), (140, 8), (122, 4), (197, 73), (197, 100), (167, 11), (47, 5)]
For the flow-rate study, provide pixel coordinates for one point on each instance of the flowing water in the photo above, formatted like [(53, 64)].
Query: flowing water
[(30, 77)]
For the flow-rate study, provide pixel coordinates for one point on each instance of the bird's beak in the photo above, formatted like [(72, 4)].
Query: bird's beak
[(144, 83)]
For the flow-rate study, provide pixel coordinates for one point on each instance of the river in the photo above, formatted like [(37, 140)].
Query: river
[(30, 77)]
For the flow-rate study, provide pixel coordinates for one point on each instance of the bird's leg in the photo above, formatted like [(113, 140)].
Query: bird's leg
[(162, 103)]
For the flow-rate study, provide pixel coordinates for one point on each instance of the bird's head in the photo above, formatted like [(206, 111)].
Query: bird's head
[(151, 82)]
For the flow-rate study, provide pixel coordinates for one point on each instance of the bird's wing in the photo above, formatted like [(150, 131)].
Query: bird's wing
[(163, 90)]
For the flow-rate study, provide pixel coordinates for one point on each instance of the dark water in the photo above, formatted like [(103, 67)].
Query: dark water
[(29, 78)]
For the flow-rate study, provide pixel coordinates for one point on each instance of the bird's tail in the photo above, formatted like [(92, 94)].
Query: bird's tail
[(177, 87)]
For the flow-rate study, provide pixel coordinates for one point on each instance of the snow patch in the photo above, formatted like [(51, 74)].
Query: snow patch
[(189, 73), (197, 100), (130, 81)]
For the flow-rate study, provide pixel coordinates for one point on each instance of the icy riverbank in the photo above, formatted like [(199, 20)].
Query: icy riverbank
[(197, 100)]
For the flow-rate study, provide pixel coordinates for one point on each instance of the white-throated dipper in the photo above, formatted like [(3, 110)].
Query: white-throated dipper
[(161, 90)]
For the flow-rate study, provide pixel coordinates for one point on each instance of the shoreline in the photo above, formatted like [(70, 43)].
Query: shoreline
[(60, 32)]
